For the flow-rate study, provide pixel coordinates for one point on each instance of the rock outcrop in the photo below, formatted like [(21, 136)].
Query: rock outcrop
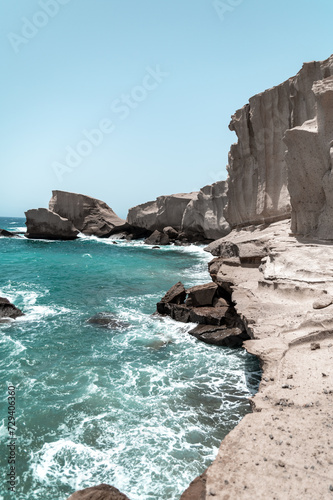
[(8, 310), (158, 238), (310, 163), (258, 178), (89, 215), (101, 492), (164, 211), (44, 224), (285, 303), (204, 215), (8, 234), (207, 305)]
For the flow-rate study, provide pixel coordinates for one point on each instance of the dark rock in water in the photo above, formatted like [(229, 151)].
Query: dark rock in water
[(178, 312), (8, 310), (45, 224), (201, 295), (209, 315), (176, 295), (100, 492), (8, 234), (171, 233), (156, 247), (220, 335), (157, 238), (107, 320)]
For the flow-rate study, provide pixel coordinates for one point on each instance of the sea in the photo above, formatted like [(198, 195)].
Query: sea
[(142, 406)]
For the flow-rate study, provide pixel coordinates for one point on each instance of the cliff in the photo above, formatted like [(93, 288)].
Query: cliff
[(44, 224), (258, 190)]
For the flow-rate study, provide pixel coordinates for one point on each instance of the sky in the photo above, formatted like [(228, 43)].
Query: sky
[(127, 100)]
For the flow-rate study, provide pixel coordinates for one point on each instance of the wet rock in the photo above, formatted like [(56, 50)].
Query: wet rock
[(7, 234), (220, 335), (157, 238), (201, 295), (208, 315), (100, 492), (8, 310), (107, 320), (176, 294)]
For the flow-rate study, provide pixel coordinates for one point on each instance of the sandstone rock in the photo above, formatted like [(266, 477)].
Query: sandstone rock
[(220, 335), (178, 312), (44, 224), (107, 320), (204, 215), (201, 295), (310, 161), (8, 310), (89, 215), (101, 492), (323, 302), (258, 177), (164, 211), (222, 248), (157, 238)]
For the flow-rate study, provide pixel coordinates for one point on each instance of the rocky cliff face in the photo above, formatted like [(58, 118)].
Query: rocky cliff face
[(44, 224), (164, 211), (310, 161), (205, 213), (89, 215), (258, 175)]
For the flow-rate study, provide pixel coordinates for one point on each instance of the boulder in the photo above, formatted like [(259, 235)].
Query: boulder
[(178, 312), (220, 335), (100, 492), (222, 248), (157, 238), (258, 184), (89, 215), (107, 320), (208, 315), (163, 212), (201, 295), (204, 215), (7, 234), (176, 295), (44, 224), (171, 233), (8, 310)]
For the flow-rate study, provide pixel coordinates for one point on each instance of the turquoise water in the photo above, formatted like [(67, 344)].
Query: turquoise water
[(144, 407)]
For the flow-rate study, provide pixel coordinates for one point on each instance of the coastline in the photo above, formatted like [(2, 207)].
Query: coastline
[(283, 449)]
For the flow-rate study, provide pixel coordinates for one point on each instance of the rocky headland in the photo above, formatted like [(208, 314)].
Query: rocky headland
[(271, 231)]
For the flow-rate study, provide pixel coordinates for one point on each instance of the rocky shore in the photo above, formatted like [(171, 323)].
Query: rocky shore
[(271, 233)]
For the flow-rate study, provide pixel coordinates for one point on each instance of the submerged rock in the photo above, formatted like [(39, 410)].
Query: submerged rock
[(8, 310), (100, 492), (107, 320), (43, 224), (7, 234)]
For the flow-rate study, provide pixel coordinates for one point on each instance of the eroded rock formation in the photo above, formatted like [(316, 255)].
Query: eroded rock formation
[(310, 162), (164, 211), (258, 178), (89, 215), (204, 215), (44, 224)]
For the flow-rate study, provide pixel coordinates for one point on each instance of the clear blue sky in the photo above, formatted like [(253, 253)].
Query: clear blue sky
[(160, 78)]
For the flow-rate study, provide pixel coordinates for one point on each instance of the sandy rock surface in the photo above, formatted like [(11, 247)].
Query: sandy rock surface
[(284, 449)]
